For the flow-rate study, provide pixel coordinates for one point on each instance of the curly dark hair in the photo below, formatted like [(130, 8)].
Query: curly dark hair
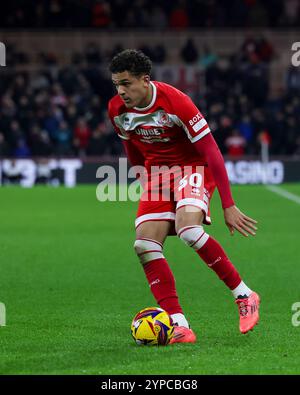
[(131, 60)]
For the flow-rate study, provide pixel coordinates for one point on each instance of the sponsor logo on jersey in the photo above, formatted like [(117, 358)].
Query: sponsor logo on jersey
[(149, 132), (200, 125), (151, 135), (195, 119)]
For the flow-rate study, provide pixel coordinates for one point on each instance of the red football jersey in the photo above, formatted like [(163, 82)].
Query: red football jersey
[(165, 130)]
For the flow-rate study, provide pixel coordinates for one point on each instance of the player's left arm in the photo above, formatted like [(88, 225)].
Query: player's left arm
[(200, 135), (234, 218)]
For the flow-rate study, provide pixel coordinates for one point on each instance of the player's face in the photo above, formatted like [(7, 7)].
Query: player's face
[(133, 90)]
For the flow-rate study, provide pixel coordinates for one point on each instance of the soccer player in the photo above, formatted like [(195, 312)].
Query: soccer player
[(161, 126)]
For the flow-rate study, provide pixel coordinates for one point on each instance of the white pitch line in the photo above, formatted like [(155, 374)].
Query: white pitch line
[(284, 193)]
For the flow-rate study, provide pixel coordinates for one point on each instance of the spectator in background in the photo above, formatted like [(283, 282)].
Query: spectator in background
[(38, 81), (257, 14), (22, 150), (292, 131), (51, 121), (296, 152), (58, 98), (248, 49), (277, 125), (101, 14), (178, 18), (55, 13), (159, 54), (19, 86), (265, 50), (71, 114), (140, 14), (189, 52), (158, 20), (245, 128), (255, 82), (235, 144), (292, 79), (93, 54), (224, 128), (82, 134), (25, 115), (98, 142), (114, 146), (41, 144), (62, 138), (291, 12), (8, 108), (207, 58), (16, 134), (4, 148)]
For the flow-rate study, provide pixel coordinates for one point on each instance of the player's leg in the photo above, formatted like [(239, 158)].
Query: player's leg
[(150, 237), (190, 230), (192, 211), (189, 220)]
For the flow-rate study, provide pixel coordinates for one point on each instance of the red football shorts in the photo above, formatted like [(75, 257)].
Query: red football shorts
[(165, 191)]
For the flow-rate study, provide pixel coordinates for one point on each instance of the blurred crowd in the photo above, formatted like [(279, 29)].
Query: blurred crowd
[(242, 109), (57, 110), (152, 14)]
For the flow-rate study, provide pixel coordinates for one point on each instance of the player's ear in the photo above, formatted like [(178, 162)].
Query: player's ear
[(146, 80)]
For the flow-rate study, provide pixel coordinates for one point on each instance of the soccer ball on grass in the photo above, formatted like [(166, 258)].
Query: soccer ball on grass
[(152, 326)]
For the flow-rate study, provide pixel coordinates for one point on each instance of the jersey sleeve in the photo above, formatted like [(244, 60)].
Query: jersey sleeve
[(112, 114), (209, 148), (189, 116)]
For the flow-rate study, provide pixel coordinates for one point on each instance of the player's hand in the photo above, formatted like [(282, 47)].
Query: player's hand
[(236, 220)]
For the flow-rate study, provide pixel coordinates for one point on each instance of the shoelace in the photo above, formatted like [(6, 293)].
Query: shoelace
[(243, 308)]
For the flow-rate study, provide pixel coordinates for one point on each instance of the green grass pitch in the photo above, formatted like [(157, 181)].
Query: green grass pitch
[(71, 284)]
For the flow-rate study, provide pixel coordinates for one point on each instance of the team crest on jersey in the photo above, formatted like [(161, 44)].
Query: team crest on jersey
[(164, 119)]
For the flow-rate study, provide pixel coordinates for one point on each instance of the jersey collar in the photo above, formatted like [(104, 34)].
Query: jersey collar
[(154, 94)]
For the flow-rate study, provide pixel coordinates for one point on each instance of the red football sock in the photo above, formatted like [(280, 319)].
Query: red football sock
[(215, 257), (162, 285)]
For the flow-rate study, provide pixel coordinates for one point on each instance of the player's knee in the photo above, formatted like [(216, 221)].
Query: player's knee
[(148, 250), (188, 216), (193, 236), (140, 246)]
